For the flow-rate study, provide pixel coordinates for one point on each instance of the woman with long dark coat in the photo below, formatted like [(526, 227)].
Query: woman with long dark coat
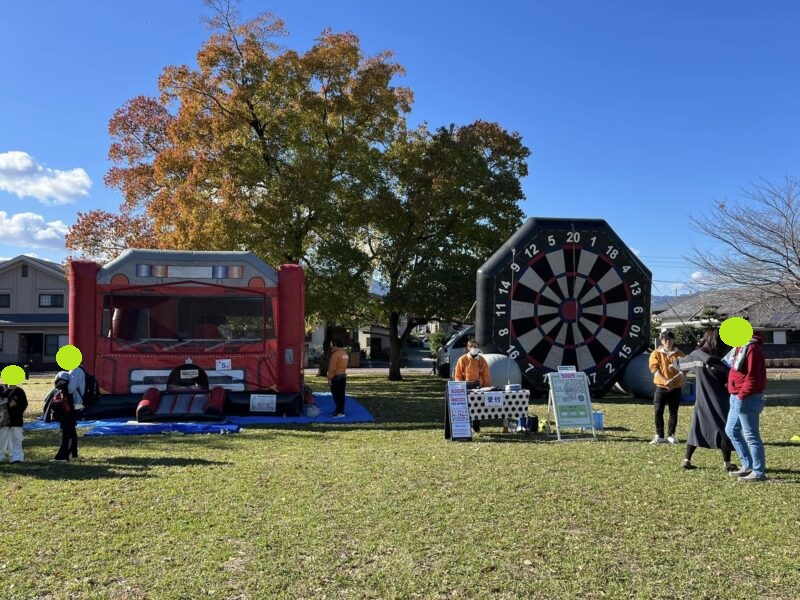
[(712, 399)]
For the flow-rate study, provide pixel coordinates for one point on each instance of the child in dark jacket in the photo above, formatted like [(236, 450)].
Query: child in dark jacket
[(16, 402)]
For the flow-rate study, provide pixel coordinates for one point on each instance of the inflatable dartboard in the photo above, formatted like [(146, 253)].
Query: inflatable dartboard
[(565, 292)]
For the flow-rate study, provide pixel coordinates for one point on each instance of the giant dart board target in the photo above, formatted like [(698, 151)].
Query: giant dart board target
[(565, 292)]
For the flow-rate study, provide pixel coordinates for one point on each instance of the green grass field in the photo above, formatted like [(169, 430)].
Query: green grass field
[(392, 510)]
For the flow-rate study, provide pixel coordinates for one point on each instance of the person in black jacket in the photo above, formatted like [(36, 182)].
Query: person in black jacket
[(69, 423), (11, 436), (711, 404)]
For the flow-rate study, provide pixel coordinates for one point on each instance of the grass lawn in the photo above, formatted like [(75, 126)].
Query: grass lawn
[(392, 510)]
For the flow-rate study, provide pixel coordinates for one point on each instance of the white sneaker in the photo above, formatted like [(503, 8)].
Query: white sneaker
[(672, 439), (658, 440)]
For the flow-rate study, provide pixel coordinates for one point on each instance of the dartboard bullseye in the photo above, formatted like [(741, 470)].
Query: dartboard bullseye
[(565, 292)]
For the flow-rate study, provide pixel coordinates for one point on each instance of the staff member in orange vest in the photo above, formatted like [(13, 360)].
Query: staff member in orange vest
[(337, 377), (473, 368)]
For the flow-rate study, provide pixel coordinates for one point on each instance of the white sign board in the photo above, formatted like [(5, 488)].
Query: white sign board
[(493, 399), (223, 364), (570, 400), (458, 409), (263, 402)]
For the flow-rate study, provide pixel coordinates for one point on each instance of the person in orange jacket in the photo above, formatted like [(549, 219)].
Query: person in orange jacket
[(337, 377), (473, 368), (669, 385)]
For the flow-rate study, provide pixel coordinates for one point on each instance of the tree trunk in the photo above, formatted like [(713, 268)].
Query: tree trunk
[(396, 343), (326, 352), (395, 347)]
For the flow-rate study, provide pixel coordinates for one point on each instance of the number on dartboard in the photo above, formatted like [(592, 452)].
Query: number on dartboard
[(501, 309), (573, 237), (531, 250), (612, 252)]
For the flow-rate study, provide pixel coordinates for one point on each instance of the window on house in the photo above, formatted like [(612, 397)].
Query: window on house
[(51, 345), (51, 300), (769, 337), (5, 300), (24, 270)]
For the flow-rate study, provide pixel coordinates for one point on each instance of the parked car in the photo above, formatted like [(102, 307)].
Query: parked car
[(452, 350)]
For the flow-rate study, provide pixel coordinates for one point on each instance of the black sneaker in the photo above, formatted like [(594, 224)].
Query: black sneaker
[(687, 464)]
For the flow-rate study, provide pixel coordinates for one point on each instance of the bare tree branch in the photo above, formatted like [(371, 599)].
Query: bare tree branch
[(760, 241)]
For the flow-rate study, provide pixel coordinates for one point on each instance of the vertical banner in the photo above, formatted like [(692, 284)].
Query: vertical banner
[(458, 409)]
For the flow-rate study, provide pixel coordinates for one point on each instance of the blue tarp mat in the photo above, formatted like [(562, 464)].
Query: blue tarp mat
[(355, 413), (232, 424), (134, 428)]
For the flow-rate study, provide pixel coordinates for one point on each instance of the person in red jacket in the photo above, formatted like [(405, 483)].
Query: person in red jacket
[(747, 380)]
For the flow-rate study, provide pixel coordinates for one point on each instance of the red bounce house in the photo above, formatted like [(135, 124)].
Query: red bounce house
[(172, 335)]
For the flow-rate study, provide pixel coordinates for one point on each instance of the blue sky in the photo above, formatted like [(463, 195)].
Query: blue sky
[(640, 113)]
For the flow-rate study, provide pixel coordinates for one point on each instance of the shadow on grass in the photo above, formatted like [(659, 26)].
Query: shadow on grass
[(112, 468), (51, 438)]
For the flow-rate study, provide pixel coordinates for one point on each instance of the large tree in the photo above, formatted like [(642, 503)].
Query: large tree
[(757, 241), (450, 198), (259, 148)]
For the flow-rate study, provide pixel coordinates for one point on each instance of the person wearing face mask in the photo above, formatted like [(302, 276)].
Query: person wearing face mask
[(473, 369), (669, 385)]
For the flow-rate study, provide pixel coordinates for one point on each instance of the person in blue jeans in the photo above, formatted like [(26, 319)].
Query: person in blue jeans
[(747, 380)]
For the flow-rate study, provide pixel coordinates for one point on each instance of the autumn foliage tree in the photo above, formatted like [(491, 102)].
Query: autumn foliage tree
[(304, 157), (258, 148)]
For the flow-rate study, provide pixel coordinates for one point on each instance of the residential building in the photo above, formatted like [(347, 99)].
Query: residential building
[(775, 318), (33, 312)]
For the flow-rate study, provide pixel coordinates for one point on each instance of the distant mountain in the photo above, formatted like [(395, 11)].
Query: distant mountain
[(658, 303)]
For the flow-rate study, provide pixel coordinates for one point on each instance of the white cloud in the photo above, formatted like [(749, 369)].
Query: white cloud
[(20, 174), (29, 230), (698, 277)]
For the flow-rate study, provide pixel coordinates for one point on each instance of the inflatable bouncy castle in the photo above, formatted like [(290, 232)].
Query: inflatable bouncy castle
[(173, 334)]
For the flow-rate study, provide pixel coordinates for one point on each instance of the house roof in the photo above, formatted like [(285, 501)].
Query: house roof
[(31, 319), (37, 263), (770, 312)]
